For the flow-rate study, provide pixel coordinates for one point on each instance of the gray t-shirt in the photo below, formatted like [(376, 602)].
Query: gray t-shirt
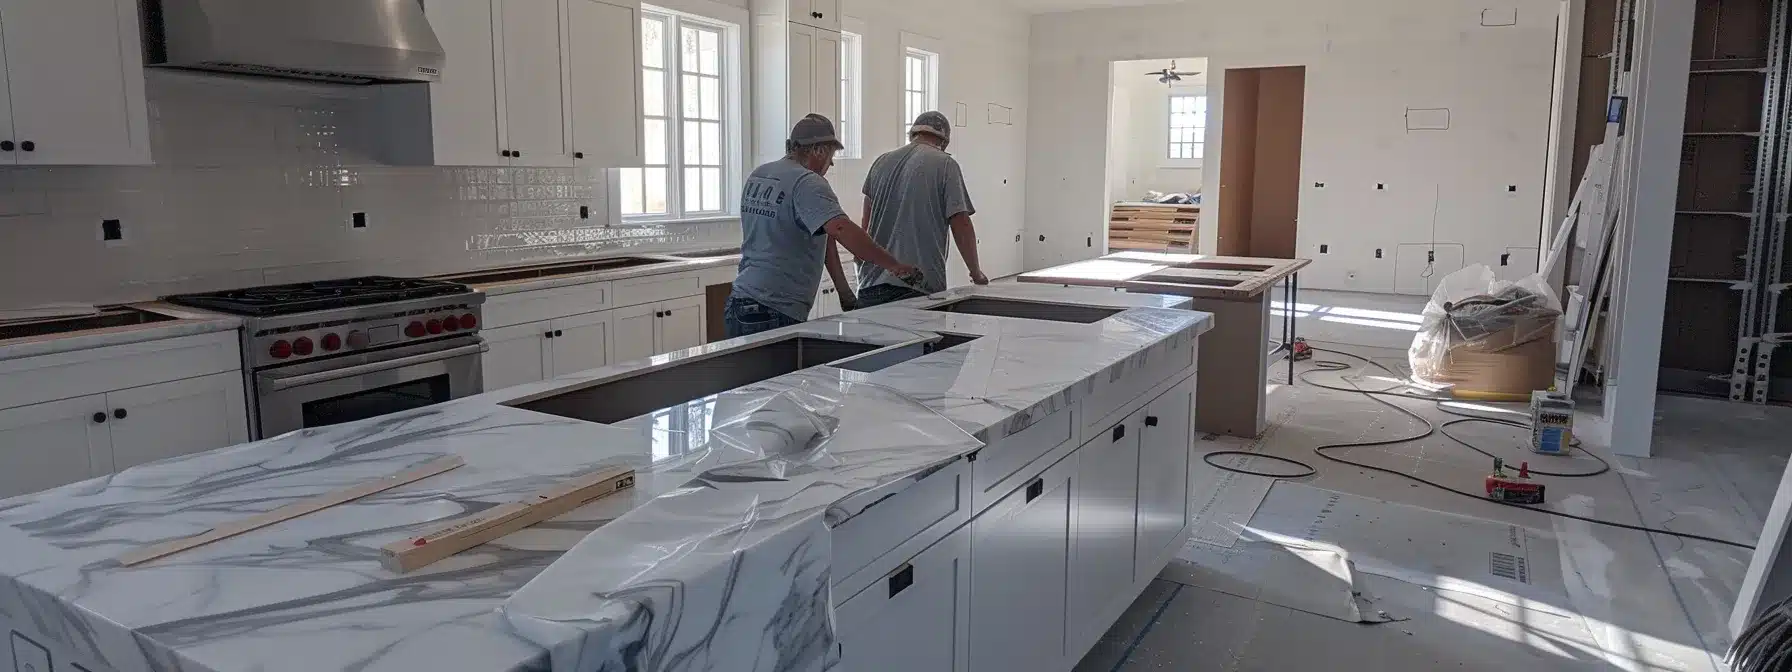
[(913, 191), (783, 208)]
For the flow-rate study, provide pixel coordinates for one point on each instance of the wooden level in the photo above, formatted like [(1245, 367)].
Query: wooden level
[(468, 532)]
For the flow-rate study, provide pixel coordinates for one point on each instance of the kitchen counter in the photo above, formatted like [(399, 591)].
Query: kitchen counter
[(187, 322), (734, 489), (669, 264)]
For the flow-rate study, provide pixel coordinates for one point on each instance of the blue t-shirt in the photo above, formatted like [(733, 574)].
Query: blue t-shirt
[(783, 209)]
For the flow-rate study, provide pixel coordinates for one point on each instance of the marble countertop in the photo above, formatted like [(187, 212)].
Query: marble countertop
[(672, 264), (1194, 275), (187, 322), (734, 489)]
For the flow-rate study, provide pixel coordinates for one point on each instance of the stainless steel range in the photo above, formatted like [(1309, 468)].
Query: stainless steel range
[(322, 353)]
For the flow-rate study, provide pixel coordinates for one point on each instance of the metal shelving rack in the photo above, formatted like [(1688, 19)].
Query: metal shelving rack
[(1772, 225)]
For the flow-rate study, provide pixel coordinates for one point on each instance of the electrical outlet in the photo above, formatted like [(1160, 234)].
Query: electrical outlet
[(1377, 253), (1381, 186), (112, 231), (1511, 188), (1323, 248), (1350, 275), (357, 221)]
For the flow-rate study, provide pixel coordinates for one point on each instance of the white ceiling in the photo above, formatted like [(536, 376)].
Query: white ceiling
[(1048, 6)]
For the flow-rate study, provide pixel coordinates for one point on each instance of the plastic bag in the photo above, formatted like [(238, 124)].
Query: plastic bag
[(1484, 334)]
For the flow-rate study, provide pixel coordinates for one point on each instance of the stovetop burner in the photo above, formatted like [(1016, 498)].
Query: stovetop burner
[(322, 295)]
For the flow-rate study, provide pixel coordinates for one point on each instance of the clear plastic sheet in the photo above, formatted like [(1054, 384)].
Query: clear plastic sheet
[(1482, 333), (745, 585)]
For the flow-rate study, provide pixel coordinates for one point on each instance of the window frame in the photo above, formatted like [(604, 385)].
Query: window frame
[(930, 85), (852, 74), (1169, 129), (728, 117)]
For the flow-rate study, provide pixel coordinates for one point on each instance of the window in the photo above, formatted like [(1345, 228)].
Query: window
[(1188, 125), (920, 86), (850, 51), (687, 120)]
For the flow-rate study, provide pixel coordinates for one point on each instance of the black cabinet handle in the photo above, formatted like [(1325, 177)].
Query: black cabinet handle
[(6, 145), (504, 153), (516, 152), (1035, 489), (1119, 432), (558, 333), (119, 413), (578, 155), (549, 334), (902, 579), (99, 417), (1150, 421), (28, 146)]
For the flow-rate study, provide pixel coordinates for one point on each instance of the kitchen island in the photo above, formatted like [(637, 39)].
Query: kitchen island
[(806, 498)]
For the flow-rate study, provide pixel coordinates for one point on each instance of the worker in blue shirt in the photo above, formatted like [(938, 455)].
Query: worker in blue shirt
[(788, 213)]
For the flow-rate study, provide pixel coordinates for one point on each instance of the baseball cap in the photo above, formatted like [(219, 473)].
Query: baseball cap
[(932, 123), (811, 130)]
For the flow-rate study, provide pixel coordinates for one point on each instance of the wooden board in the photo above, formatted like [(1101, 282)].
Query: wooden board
[(468, 532), (294, 510), (1149, 226), (1233, 278)]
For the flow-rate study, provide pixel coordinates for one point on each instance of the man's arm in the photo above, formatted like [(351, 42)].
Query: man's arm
[(848, 300), (862, 246), (966, 237)]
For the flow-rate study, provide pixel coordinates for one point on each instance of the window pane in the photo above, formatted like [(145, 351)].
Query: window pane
[(653, 43), (653, 93), (712, 189), (1175, 151), (693, 190), (655, 141), (712, 144), (689, 103), (631, 191), (709, 90), (655, 189), (1201, 119), (1194, 150), (1201, 104), (691, 141), (688, 48), (709, 56)]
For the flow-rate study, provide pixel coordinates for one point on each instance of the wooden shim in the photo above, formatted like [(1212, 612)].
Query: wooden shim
[(468, 532), (293, 510)]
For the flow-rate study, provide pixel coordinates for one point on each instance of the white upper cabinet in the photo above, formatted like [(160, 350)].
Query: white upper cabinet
[(546, 83), (72, 72), (796, 70), (824, 14)]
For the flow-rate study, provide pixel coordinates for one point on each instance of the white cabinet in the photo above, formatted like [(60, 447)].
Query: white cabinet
[(823, 14), (50, 444), (681, 326), (580, 343), (72, 76), (527, 83), (916, 617), (1020, 556), (1166, 442), (1105, 498), (653, 328), (535, 351), (797, 72)]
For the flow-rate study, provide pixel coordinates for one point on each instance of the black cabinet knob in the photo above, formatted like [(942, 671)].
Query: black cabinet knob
[(1150, 421), (28, 146), (7, 145), (119, 413), (99, 417), (504, 153), (558, 333), (516, 153), (578, 155)]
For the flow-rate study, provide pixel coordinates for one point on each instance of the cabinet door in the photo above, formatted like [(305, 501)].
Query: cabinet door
[(1106, 500), (516, 355), (1019, 566), (802, 63), (820, 13), (581, 342), (165, 420), (637, 330), (914, 619), (533, 86), (76, 77), (6, 158), (1164, 454), (824, 74), (605, 69), (467, 104), (681, 324), (46, 445)]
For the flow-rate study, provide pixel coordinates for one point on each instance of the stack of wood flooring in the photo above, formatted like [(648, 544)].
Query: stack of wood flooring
[(1159, 227)]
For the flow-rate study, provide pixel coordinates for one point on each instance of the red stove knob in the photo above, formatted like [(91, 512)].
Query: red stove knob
[(280, 350), (450, 324), (332, 343), (469, 321), (415, 330), (301, 346), (357, 339), (434, 326)]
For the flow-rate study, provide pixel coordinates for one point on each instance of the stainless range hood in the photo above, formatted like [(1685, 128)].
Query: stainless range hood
[(339, 41)]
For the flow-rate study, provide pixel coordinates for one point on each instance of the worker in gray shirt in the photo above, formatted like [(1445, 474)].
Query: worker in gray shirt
[(913, 196), (788, 215)]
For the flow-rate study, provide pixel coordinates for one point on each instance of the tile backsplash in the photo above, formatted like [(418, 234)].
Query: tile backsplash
[(258, 181)]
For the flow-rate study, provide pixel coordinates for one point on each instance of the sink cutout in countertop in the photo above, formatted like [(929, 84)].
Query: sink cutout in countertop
[(113, 317), (535, 272), (879, 361), (1028, 310)]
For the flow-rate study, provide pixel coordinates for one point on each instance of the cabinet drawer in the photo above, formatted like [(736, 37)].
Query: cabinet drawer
[(506, 310), (1010, 461), (1118, 394), (872, 543), (913, 617), (651, 288), (63, 375)]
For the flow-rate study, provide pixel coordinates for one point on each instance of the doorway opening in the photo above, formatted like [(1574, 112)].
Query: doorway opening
[(1157, 139), (1259, 200)]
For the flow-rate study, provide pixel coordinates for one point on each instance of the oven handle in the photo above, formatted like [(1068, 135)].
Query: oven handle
[(278, 383)]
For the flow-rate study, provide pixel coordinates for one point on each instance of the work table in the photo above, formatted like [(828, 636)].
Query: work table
[(738, 488)]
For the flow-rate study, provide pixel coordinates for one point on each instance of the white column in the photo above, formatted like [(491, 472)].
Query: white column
[(1663, 51)]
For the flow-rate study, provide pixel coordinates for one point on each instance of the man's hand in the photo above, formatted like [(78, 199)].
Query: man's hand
[(978, 278), (909, 275), (848, 302)]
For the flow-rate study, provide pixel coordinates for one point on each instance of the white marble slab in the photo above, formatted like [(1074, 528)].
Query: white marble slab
[(736, 490), (672, 265), (186, 322)]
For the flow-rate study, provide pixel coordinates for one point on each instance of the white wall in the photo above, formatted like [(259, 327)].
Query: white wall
[(1367, 62), (1143, 135)]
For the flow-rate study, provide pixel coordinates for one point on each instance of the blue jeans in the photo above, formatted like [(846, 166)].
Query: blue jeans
[(878, 295), (744, 316)]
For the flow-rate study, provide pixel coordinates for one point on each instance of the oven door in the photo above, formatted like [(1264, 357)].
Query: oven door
[(357, 387)]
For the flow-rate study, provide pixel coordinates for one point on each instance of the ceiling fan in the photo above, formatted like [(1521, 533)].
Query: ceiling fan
[(1169, 75)]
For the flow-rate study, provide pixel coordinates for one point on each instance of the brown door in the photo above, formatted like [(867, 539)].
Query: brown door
[(1260, 160)]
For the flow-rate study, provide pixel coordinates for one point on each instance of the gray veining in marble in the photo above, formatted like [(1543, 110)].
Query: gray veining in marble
[(719, 559)]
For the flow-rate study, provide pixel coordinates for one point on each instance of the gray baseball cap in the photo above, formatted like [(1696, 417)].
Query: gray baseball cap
[(811, 130), (932, 123)]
